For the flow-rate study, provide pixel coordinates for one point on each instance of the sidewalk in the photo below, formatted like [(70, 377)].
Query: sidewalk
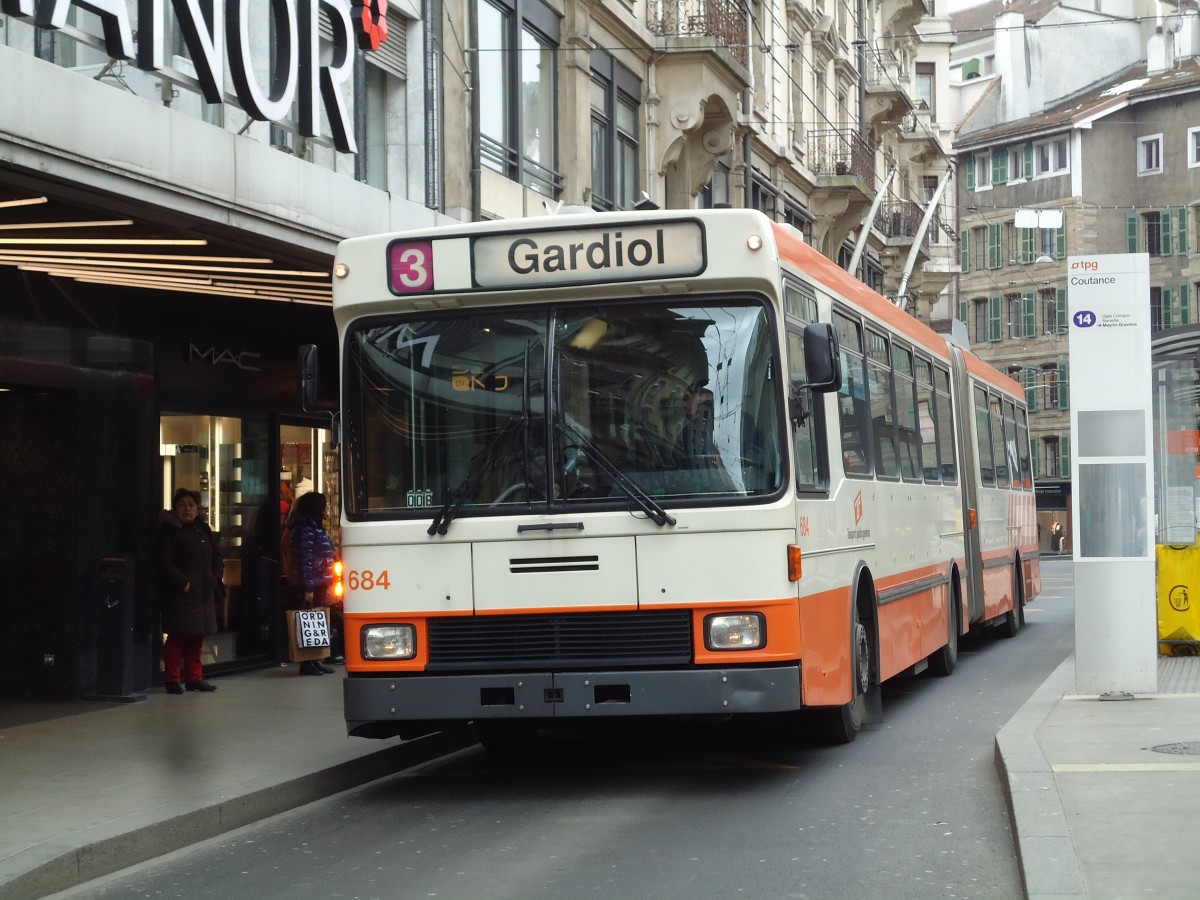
[(1103, 795), (85, 795)]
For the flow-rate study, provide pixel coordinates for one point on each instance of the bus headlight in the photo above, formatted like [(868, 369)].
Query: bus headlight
[(389, 642), (743, 631)]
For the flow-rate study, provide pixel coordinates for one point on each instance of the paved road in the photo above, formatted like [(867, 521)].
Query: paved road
[(912, 809)]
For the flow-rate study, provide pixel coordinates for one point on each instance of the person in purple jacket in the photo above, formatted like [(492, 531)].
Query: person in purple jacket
[(312, 561)]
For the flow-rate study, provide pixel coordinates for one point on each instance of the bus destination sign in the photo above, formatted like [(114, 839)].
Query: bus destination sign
[(587, 255), (549, 258)]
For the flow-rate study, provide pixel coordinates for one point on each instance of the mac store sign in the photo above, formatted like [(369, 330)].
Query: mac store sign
[(218, 37)]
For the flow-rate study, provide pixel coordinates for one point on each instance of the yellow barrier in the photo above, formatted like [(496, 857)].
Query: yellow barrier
[(1178, 612)]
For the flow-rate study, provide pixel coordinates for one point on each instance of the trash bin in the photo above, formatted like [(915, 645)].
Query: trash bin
[(1178, 600), (114, 631)]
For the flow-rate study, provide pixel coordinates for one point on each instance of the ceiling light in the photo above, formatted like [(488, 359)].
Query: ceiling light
[(104, 242), (31, 201), (31, 226)]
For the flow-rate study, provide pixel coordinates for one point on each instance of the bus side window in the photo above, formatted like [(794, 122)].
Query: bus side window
[(852, 399), (944, 427), (983, 428), (809, 468)]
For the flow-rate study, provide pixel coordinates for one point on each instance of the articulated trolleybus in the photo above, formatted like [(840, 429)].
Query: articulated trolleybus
[(673, 463)]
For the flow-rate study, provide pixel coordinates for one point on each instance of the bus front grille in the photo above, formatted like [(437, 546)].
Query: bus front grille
[(578, 640)]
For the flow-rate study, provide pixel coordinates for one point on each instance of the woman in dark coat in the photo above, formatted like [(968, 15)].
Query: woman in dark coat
[(189, 569)]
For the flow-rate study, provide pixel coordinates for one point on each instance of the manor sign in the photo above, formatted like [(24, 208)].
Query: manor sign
[(217, 31)]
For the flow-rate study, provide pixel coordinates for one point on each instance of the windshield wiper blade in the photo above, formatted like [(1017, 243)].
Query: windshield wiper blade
[(479, 469), (651, 507)]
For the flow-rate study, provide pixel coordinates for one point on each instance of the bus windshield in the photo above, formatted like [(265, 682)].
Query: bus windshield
[(650, 402)]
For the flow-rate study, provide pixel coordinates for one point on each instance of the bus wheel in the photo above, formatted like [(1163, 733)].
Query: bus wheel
[(504, 737), (1015, 617), (943, 661), (842, 724)]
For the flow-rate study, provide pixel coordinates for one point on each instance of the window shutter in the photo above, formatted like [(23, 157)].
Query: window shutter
[(1060, 242), (994, 247), (1165, 318), (1181, 220), (1185, 305), (1060, 310), (1131, 233), (1064, 386), (1164, 224), (995, 320), (1030, 378), (964, 311), (1027, 244), (999, 167), (392, 55), (1064, 456), (970, 162), (1029, 160), (1037, 457), (964, 249), (1029, 314)]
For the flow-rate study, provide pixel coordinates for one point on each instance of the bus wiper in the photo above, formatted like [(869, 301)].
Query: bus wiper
[(480, 468), (645, 502)]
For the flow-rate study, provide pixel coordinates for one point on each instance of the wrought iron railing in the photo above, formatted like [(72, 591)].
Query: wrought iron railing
[(834, 151), (722, 20)]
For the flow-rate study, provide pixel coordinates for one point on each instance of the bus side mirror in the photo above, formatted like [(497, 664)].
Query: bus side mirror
[(307, 360), (822, 369), (821, 363)]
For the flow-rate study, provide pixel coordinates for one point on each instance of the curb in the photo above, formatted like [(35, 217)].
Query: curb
[(1046, 853), (151, 836)]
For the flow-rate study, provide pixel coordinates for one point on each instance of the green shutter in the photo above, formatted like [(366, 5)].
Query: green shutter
[(994, 255), (995, 318), (1181, 223), (1036, 449), (1028, 244), (964, 249), (1029, 160), (1185, 305), (964, 311), (1060, 241), (1060, 310), (999, 166), (1064, 386), (1131, 233), (1164, 225), (1064, 456), (970, 163), (1030, 381), (1029, 314), (1164, 320)]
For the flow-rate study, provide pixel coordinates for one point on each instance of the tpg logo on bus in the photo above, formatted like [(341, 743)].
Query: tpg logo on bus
[(587, 255)]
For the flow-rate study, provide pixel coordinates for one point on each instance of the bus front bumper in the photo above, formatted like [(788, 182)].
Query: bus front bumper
[(569, 695)]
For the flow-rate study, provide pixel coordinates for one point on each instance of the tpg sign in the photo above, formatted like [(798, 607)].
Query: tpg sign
[(220, 30)]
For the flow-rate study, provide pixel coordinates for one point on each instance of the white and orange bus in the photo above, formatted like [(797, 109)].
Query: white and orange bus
[(669, 463)]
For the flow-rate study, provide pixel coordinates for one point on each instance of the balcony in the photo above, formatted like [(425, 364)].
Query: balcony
[(918, 144), (843, 166), (717, 22), (887, 81), (700, 71), (899, 17)]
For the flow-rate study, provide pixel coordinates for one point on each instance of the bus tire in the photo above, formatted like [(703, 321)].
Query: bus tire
[(1015, 617), (841, 724), (943, 661)]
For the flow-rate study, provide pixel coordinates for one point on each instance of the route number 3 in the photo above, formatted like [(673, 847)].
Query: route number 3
[(367, 580), (411, 266)]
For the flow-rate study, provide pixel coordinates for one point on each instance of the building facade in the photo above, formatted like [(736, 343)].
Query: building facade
[(1053, 166), (174, 178)]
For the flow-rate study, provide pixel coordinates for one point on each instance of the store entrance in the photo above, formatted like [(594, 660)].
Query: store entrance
[(248, 472), (228, 461)]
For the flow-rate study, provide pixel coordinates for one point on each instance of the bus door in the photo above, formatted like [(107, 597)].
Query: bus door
[(969, 479)]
